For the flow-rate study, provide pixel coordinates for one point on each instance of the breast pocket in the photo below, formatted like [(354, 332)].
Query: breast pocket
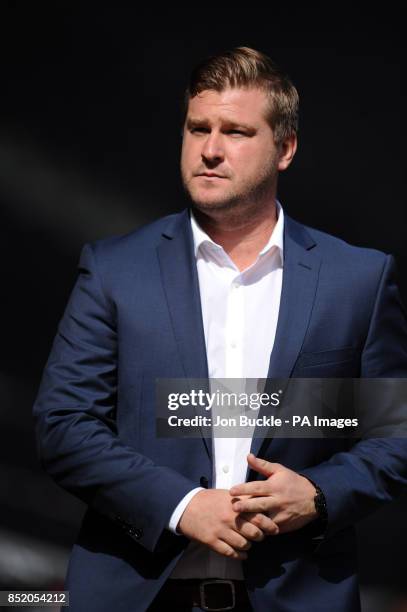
[(337, 363)]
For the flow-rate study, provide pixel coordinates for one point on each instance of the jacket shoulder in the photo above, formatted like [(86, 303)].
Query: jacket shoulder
[(113, 250), (338, 251)]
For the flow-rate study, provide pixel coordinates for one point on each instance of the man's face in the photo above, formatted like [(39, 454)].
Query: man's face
[(229, 157)]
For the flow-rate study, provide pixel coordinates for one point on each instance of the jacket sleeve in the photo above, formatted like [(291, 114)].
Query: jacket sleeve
[(374, 470), (77, 440)]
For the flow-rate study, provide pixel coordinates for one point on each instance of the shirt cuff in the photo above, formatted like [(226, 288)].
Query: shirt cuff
[(179, 510)]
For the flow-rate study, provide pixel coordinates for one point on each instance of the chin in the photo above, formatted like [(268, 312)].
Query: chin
[(210, 201), (207, 205)]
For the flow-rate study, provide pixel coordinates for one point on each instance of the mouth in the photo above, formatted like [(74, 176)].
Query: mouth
[(211, 175)]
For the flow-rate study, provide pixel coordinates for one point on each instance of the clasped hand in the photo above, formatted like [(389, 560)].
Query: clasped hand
[(229, 521)]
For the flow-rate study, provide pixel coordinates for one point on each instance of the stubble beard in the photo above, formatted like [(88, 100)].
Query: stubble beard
[(251, 198)]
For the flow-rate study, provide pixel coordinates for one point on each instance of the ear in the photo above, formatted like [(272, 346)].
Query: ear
[(287, 151)]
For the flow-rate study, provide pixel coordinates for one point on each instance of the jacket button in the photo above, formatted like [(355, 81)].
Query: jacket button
[(204, 482), (136, 533)]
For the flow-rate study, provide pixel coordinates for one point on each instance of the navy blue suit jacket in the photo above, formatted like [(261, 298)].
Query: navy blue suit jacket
[(134, 315)]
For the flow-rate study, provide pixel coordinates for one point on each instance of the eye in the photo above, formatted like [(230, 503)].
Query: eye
[(236, 133), (199, 130)]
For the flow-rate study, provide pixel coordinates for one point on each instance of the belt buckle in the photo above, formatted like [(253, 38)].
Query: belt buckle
[(203, 595)]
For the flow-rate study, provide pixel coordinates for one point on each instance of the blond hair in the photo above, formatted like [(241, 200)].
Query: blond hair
[(246, 68)]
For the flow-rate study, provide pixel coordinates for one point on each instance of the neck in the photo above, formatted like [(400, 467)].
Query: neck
[(242, 237)]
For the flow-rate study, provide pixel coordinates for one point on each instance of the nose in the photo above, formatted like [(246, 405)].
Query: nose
[(212, 150)]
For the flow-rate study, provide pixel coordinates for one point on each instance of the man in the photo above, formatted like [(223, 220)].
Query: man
[(233, 289)]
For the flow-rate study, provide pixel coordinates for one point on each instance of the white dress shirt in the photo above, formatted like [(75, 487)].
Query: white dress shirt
[(240, 312)]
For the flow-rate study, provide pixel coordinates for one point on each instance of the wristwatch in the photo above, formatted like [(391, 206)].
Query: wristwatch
[(320, 504), (319, 501)]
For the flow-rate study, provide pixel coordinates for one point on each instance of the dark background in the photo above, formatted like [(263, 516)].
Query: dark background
[(90, 126)]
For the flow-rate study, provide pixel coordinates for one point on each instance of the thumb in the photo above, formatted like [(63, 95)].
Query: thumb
[(261, 465)]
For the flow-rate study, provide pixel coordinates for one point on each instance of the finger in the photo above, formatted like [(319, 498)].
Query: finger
[(255, 487), (236, 540), (262, 466), (263, 522), (249, 530), (255, 504), (223, 548)]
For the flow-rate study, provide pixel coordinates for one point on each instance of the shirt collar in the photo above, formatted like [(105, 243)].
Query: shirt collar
[(276, 239)]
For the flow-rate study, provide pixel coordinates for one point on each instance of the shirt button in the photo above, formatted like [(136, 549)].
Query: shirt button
[(235, 285), (233, 344), (225, 469)]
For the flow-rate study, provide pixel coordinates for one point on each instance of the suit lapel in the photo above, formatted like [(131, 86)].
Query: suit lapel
[(181, 286), (300, 280)]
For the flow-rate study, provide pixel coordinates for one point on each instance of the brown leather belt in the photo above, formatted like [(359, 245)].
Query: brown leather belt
[(212, 595)]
